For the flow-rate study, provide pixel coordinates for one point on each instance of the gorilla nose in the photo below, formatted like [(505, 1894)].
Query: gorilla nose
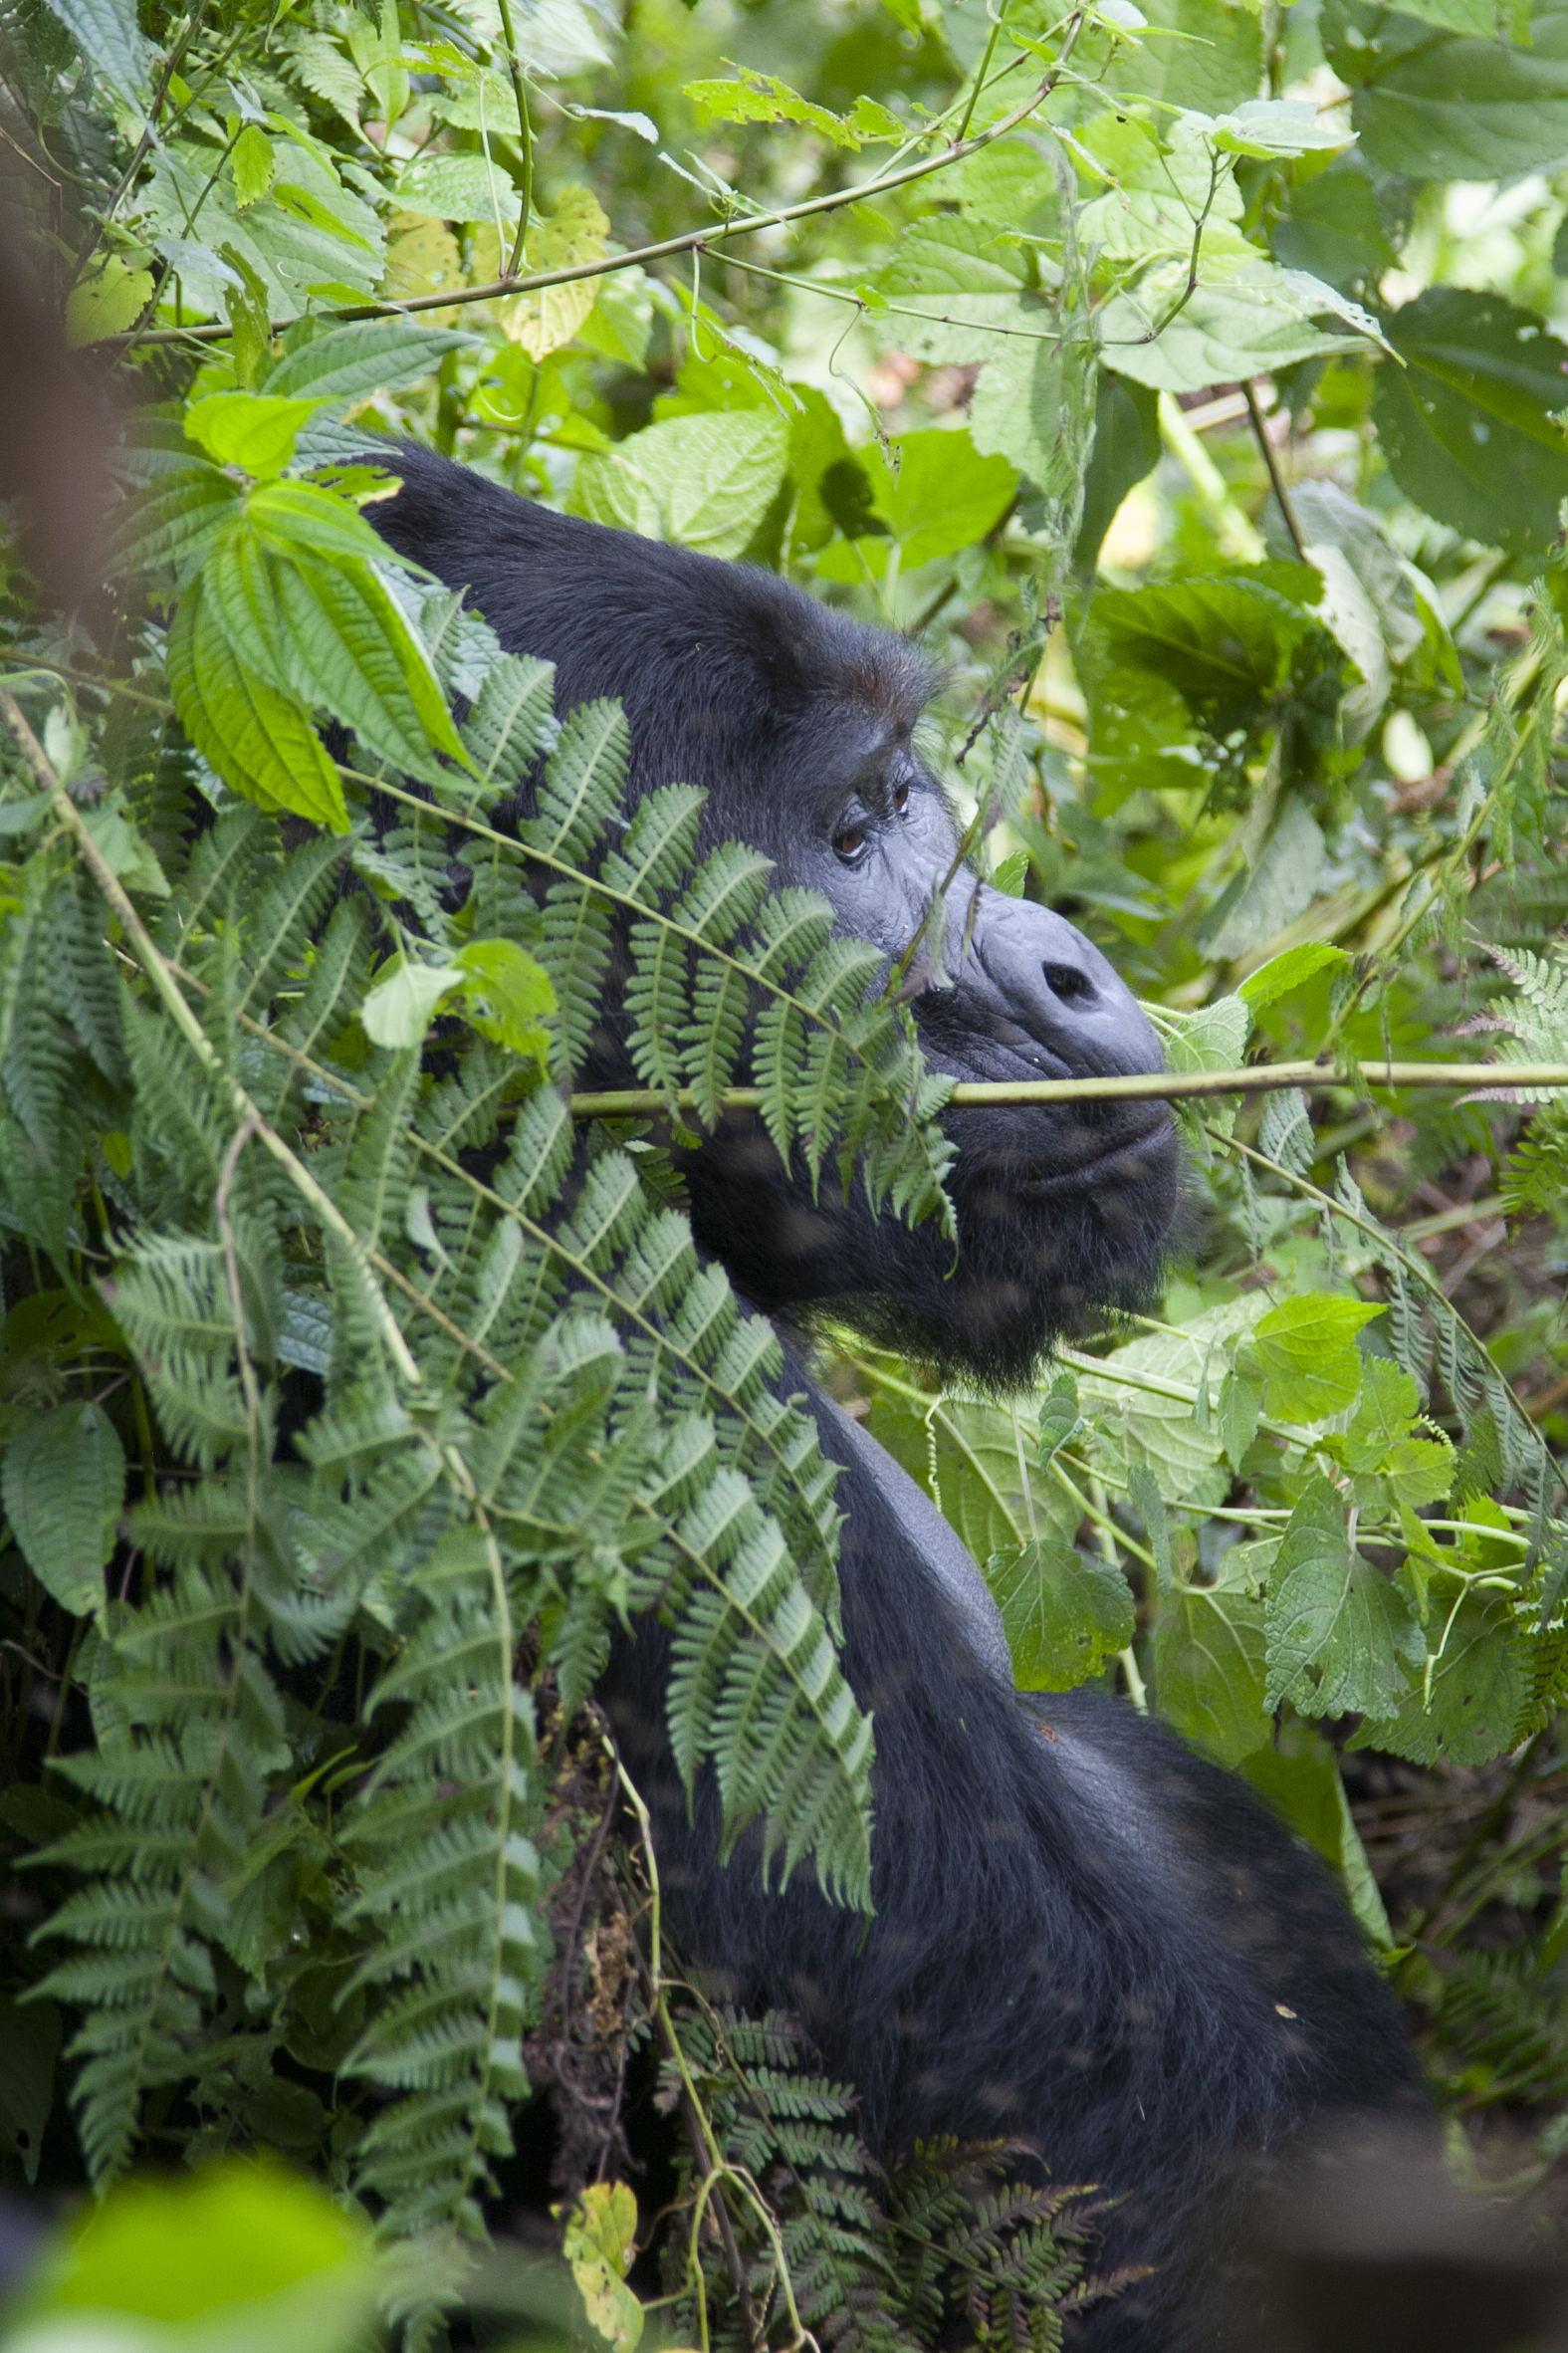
[(1036, 983)]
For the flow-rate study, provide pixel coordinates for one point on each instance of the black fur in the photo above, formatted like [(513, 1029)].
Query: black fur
[(1085, 1935)]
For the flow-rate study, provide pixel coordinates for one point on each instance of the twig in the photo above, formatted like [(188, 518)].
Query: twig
[(157, 971), (1145, 1086), (525, 134), (1260, 435)]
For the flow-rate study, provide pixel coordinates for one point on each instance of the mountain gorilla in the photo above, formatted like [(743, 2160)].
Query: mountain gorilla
[(1086, 1936)]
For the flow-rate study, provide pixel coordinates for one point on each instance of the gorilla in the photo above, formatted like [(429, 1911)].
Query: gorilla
[(1086, 1936)]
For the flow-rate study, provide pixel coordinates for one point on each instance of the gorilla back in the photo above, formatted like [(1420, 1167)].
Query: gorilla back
[(1085, 1937)]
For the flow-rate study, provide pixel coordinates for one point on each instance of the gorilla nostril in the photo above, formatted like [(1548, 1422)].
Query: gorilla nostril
[(1068, 983)]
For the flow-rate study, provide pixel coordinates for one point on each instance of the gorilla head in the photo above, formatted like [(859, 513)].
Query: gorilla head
[(799, 724)]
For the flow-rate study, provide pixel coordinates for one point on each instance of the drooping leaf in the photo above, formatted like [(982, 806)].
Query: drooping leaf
[(64, 1484)]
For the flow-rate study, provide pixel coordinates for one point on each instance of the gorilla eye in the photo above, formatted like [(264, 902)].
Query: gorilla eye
[(901, 795), (851, 845)]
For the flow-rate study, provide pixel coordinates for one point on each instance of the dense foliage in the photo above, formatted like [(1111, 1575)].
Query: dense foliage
[(1185, 375)]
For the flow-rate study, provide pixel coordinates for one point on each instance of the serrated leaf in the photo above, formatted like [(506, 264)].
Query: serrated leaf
[(1289, 971), (252, 430), (1470, 422), (256, 739), (1341, 1636), (1470, 1703), (1208, 1669), (360, 357), (108, 37), (1307, 1350), (64, 1486), (704, 481), (1434, 105), (506, 992), (1062, 1612)]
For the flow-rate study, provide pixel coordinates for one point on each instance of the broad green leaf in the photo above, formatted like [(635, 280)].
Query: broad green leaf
[(1289, 971), (1032, 407), (258, 740), (574, 233), (1476, 1687), (1262, 126), (1387, 1410), (1226, 643), (1307, 1348), (399, 1010), (64, 1486), (176, 524), (506, 990), (1246, 322), (599, 2244), (1210, 1037), (362, 355), (956, 289), (108, 37), (1139, 1425), (1216, 63), (1470, 422), (299, 520), (1435, 104), (251, 430), (705, 481), (239, 2256), (1333, 230), (1208, 1669), (621, 320), (1063, 1613), (108, 302), (456, 188), (1341, 1636), (945, 498), (979, 1464)]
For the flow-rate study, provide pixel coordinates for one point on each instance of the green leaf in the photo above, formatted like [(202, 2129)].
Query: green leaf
[(1262, 126), (1332, 229), (1225, 644), (64, 1484), (946, 497), (399, 1009), (248, 429), (364, 356), (1469, 422), (1475, 1690), (108, 37), (1245, 318), (704, 481), (506, 990), (1217, 62), (251, 160), (259, 741), (241, 2254), (1434, 105), (1063, 1613), (1340, 1634), (763, 97), (1144, 1494), (1289, 971), (29, 2048), (1241, 1404), (980, 1465), (1307, 1348), (1126, 448), (1208, 1668)]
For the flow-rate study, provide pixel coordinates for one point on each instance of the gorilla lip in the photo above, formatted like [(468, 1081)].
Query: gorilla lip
[(1099, 1161)]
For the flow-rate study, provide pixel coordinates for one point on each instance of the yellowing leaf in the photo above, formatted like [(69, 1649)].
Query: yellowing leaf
[(600, 2243), (109, 303), (544, 320)]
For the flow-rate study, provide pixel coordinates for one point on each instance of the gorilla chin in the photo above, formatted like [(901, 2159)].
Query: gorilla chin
[(1053, 1233)]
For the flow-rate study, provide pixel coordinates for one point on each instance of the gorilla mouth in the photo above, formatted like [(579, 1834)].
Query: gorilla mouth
[(1123, 1160)]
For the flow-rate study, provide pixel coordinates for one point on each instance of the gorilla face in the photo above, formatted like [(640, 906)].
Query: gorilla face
[(1061, 1208), (798, 724)]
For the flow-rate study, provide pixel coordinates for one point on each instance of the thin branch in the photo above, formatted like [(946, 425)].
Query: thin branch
[(1156, 1085), (743, 225), (525, 134), (167, 988), (1260, 435)]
